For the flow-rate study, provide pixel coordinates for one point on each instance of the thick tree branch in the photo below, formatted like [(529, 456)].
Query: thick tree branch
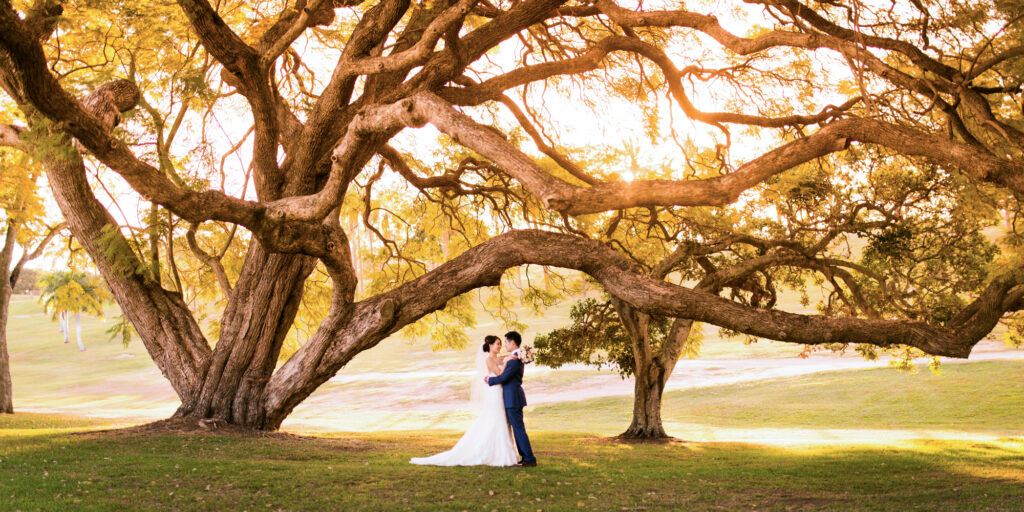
[(446, 66), (162, 319), (832, 137), (218, 39), (52, 100), (93, 132), (350, 330), (417, 54), (995, 60), (332, 113), (573, 200), (706, 24), (280, 36), (912, 52)]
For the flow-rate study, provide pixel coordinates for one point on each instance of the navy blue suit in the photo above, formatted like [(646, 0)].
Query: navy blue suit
[(515, 399)]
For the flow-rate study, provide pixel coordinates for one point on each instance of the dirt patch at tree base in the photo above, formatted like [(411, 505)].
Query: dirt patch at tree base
[(619, 439), (206, 427)]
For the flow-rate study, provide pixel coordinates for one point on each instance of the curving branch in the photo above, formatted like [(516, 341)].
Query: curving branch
[(835, 136), (167, 328), (912, 52), (222, 43), (415, 55), (564, 197), (43, 91), (352, 329), (280, 36), (92, 130), (210, 260), (706, 24), (332, 111), (987, 64)]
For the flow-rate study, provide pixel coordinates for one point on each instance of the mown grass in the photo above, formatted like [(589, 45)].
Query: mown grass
[(44, 468), (984, 396)]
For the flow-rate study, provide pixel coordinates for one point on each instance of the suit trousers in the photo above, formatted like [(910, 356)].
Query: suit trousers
[(515, 420)]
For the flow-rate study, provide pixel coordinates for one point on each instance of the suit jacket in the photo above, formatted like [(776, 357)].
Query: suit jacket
[(512, 381)]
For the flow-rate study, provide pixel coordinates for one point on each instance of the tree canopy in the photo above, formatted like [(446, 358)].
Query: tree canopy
[(856, 147)]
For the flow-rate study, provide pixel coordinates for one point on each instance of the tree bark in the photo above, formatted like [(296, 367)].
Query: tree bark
[(647, 390), (651, 370), (262, 308), (650, 384), (6, 390)]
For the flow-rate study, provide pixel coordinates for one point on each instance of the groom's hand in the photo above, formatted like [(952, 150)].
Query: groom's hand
[(486, 381)]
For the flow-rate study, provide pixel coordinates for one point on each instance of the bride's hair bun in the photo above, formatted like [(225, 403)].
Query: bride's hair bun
[(488, 341)]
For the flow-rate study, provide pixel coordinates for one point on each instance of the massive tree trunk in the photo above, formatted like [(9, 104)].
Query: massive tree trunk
[(225, 383), (228, 382), (262, 308)]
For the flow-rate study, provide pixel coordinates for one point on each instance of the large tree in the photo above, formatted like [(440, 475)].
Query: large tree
[(925, 84)]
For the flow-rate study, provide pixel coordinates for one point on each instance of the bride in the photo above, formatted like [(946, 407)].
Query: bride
[(488, 442)]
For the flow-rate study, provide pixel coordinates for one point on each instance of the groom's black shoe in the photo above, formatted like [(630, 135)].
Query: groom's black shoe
[(526, 464)]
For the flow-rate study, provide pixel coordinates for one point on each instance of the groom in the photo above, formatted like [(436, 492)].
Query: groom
[(515, 399)]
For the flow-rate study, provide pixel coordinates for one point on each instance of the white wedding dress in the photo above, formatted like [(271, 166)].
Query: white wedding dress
[(488, 442)]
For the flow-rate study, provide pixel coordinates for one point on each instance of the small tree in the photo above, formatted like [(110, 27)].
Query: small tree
[(644, 347), (22, 210), (72, 292)]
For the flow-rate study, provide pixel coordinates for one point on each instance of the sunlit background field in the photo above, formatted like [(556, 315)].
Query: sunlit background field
[(760, 392)]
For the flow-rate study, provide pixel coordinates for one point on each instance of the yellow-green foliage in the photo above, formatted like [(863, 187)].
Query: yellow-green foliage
[(73, 292)]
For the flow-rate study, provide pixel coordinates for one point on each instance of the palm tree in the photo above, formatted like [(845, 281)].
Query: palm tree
[(70, 291)]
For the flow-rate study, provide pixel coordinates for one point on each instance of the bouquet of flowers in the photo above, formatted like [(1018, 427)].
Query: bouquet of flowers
[(526, 354)]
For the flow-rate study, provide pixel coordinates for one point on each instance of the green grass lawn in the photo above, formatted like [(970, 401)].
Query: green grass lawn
[(985, 396), (53, 462), (44, 467)]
